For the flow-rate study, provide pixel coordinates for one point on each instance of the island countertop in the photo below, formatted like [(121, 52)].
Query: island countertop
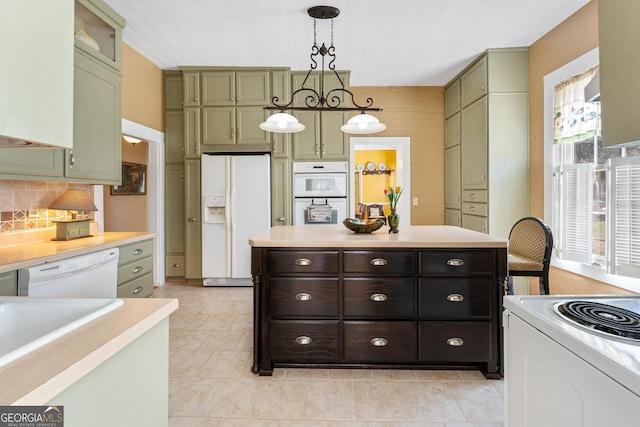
[(416, 236)]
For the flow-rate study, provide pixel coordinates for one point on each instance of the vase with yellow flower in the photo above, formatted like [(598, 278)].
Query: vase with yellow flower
[(393, 193)]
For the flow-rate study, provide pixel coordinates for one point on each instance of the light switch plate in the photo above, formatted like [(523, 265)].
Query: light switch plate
[(415, 201)]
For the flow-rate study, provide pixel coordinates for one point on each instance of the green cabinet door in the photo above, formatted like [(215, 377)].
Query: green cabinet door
[(174, 219), (97, 149), (334, 144), (474, 146), (306, 144), (191, 88), (191, 123), (173, 137), (192, 231), (248, 121), (173, 90), (218, 126), (452, 190), (281, 200), (35, 163), (253, 88), (9, 283), (218, 88)]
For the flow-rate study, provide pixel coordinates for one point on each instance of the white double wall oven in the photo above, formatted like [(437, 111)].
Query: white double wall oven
[(320, 193)]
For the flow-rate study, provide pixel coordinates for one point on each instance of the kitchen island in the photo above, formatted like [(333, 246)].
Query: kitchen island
[(427, 297)]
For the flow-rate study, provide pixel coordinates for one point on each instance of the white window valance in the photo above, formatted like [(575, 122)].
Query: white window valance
[(575, 119)]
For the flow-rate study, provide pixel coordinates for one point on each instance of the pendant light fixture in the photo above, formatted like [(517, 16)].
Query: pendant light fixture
[(330, 100)]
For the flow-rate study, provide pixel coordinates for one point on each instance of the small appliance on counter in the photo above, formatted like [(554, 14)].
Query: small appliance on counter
[(572, 360), (236, 204)]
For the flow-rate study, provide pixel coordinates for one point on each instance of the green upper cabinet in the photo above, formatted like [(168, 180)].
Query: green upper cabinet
[(230, 107), (473, 83), (97, 152), (280, 87), (172, 90), (95, 156), (452, 98), (322, 137)]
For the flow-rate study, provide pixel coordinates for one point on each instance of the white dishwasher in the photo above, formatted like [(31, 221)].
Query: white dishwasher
[(94, 275)]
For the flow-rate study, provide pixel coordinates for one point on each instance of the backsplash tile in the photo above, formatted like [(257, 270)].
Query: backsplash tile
[(19, 199)]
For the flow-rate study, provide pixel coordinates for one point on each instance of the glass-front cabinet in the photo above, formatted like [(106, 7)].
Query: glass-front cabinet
[(98, 32)]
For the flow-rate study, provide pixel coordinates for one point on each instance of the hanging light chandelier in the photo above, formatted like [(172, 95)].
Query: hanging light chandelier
[(314, 100)]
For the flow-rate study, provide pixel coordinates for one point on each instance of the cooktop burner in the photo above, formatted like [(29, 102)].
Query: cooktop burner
[(604, 318)]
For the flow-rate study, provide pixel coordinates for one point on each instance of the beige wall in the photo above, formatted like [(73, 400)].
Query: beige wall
[(569, 40), (141, 90), (416, 112), (128, 212)]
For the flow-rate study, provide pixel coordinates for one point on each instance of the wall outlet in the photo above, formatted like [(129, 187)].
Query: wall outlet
[(415, 201)]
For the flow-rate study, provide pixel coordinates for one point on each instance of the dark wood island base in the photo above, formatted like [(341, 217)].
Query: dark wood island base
[(429, 297)]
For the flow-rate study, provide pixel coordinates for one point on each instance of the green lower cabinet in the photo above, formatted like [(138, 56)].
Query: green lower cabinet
[(9, 284), (135, 270), (129, 389)]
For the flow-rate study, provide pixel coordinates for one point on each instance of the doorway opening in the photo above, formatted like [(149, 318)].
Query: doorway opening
[(377, 163)]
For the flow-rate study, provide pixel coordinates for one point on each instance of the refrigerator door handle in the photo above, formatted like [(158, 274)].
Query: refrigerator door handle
[(228, 223)]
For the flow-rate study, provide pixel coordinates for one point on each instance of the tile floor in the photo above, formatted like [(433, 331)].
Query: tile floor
[(211, 383)]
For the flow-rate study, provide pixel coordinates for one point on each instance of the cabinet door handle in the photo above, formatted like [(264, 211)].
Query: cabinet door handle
[(138, 251), (280, 218), (455, 298), (472, 195), (303, 340), (303, 261), (137, 270), (137, 290), (192, 219), (72, 159), (303, 296), (455, 262), (378, 297), (455, 342), (379, 342), (472, 208), (176, 265), (484, 177), (378, 261)]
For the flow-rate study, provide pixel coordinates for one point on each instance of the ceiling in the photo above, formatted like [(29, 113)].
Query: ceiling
[(382, 42)]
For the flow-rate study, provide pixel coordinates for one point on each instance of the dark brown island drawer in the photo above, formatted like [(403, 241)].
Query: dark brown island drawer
[(455, 341), (379, 341), (302, 262), (379, 262), (379, 298), (455, 298), (295, 296), (300, 341), (456, 263)]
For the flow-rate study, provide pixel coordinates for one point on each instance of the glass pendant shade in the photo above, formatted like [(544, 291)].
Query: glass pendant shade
[(363, 124), (282, 123)]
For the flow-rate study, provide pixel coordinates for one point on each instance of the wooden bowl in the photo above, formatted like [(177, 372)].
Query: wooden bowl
[(363, 225)]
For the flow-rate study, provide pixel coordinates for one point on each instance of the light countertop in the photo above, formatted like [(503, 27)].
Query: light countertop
[(44, 373), (22, 255), (422, 236)]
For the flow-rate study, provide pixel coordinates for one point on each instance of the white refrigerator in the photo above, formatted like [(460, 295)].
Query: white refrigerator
[(236, 204)]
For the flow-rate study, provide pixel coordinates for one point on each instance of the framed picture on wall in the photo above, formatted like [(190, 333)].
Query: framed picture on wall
[(134, 180)]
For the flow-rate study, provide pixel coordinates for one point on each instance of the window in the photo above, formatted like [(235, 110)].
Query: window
[(592, 193)]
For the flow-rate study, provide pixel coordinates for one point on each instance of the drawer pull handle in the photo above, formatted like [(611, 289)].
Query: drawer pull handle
[(455, 262), (304, 340), (472, 195), (379, 342), (176, 265), (303, 261), (378, 297), (472, 208), (378, 261), (455, 298), (303, 296), (138, 251), (137, 290), (136, 270), (455, 342)]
